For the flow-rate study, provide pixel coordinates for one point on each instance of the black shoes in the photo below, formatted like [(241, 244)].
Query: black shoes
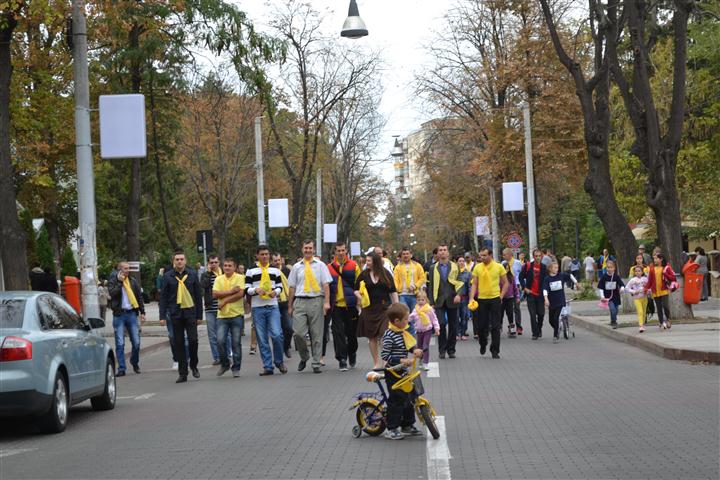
[(302, 365), (483, 349), (317, 370), (288, 354), (120, 373), (265, 373), (451, 355), (195, 372), (442, 355), (282, 368), (343, 366), (534, 337), (181, 379), (136, 368), (495, 356)]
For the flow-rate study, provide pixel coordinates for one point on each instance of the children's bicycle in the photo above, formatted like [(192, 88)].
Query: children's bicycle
[(371, 407), (565, 322)]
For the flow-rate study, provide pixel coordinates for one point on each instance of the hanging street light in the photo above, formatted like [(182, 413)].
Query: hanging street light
[(354, 27)]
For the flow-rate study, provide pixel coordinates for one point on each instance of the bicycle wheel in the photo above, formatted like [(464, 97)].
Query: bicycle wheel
[(429, 421), (371, 418), (565, 328)]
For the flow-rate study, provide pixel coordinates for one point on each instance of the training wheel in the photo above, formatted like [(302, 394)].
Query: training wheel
[(357, 431)]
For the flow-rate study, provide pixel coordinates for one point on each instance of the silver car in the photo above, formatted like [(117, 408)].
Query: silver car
[(50, 359)]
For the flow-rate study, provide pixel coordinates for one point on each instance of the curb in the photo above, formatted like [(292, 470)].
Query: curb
[(658, 349)]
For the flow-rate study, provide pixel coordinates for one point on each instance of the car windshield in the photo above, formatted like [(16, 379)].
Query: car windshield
[(12, 311)]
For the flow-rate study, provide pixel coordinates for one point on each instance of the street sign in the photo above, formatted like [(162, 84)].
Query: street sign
[(514, 240), (513, 199), (329, 233), (134, 266), (204, 239), (482, 226), (122, 126), (278, 213), (355, 249)]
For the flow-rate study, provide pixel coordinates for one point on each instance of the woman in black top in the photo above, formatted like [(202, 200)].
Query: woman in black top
[(373, 319)]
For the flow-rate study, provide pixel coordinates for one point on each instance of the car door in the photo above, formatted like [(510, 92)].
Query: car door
[(65, 340)]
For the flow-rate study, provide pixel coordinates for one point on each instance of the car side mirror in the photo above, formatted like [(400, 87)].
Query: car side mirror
[(96, 323)]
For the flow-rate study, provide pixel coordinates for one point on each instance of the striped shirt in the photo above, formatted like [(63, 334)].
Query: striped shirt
[(252, 282), (393, 347)]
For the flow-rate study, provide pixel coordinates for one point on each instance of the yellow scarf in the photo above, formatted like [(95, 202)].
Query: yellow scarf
[(310, 283), (130, 294), (265, 282), (410, 341), (365, 302), (283, 294), (184, 299), (452, 278), (423, 314)]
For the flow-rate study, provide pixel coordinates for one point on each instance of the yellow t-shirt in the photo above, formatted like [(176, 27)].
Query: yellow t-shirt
[(223, 284), (488, 279), (660, 289)]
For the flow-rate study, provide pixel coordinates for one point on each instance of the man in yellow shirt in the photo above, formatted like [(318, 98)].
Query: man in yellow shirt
[(489, 284), (229, 290), (410, 278)]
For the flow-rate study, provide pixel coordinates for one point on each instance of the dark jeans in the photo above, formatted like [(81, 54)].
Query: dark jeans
[(286, 324), (536, 309), (463, 317), (326, 332), (490, 320), (554, 314), (235, 327), (662, 305), (448, 328), (400, 411), (518, 315), (344, 333), (508, 308), (184, 322)]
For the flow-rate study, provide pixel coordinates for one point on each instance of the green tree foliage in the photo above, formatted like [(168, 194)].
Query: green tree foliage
[(44, 250), (68, 265)]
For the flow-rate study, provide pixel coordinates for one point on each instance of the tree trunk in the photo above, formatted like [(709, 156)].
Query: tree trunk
[(13, 247)]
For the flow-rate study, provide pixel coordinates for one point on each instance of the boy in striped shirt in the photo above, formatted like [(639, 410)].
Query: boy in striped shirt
[(397, 342)]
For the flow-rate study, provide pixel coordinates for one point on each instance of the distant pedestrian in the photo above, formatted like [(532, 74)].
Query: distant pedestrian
[(443, 285), (510, 303), (344, 272), (565, 264), (590, 267), (489, 287), (228, 291), (126, 303), (611, 285), (546, 257), (575, 267), (42, 279), (554, 294), (375, 291), (531, 280), (308, 302), (647, 258), (702, 260), (426, 324), (103, 297), (207, 280), (661, 281), (410, 279), (264, 285), (285, 319), (464, 276), (181, 304), (515, 267), (636, 288)]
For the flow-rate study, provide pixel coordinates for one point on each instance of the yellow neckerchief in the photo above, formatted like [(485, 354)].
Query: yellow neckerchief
[(130, 294), (604, 262), (283, 294), (410, 341), (452, 278), (340, 298), (265, 282), (310, 284), (365, 302), (184, 299), (423, 314)]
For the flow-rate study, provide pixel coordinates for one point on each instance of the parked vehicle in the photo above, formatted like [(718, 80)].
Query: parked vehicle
[(51, 359)]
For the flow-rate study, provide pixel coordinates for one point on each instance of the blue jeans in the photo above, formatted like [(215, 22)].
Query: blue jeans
[(410, 301), (171, 336), (129, 321), (235, 327), (463, 318), (212, 331), (613, 311), (267, 323)]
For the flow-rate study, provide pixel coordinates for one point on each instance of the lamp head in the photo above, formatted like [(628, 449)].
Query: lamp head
[(354, 27)]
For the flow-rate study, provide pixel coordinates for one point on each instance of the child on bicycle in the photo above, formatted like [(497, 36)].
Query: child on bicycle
[(553, 288), (397, 342), (426, 323)]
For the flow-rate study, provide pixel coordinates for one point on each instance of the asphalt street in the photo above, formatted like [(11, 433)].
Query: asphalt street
[(589, 407)]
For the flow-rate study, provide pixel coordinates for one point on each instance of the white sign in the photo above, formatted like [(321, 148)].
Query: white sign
[(482, 226), (513, 197), (278, 213), (355, 249), (122, 126), (330, 233), (134, 266)]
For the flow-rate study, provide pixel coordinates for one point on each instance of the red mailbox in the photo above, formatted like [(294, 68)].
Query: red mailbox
[(72, 292)]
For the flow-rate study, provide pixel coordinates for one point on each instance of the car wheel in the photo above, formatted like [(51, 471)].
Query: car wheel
[(106, 401), (55, 420)]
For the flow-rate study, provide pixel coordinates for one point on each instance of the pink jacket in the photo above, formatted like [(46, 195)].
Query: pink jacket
[(419, 327)]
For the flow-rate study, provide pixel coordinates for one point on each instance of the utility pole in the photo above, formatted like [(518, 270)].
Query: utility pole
[(495, 233), (530, 179), (85, 176), (318, 214), (262, 239)]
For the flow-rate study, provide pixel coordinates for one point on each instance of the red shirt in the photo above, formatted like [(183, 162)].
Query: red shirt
[(535, 287)]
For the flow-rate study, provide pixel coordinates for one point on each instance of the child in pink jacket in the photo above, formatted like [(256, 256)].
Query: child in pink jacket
[(426, 323)]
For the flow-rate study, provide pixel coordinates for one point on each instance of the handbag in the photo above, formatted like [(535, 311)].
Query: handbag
[(605, 302)]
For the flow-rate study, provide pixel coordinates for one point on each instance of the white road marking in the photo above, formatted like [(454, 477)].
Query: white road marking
[(15, 451), (438, 453), (434, 369), (145, 396)]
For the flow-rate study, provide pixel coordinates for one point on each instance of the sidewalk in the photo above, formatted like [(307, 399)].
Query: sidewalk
[(697, 340)]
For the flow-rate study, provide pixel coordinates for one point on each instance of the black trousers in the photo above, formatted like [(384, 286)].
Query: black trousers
[(400, 411), (448, 328), (490, 318), (344, 333), (555, 319), (518, 315), (476, 323), (286, 324), (508, 309), (536, 309), (326, 332), (185, 322), (662, 305)]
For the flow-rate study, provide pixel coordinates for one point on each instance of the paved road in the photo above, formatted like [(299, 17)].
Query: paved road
[(586, 408)]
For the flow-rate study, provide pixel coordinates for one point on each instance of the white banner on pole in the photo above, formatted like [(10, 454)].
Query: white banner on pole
[(329, 233), (482, 226), (122, 126), (355, 250), (278, 213), (513, 197)]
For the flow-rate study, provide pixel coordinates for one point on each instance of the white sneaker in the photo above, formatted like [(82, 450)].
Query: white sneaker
[(425, 367), (175, 366)]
